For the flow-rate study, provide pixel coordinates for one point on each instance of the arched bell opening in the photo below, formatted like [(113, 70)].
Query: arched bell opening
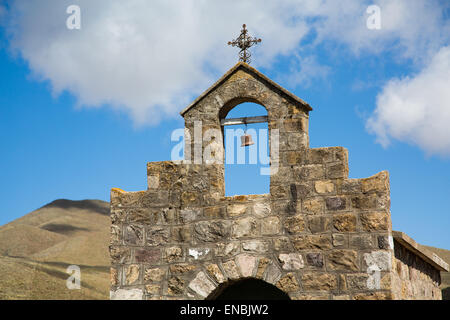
[(231, 104), (246, 147), (247, 289)]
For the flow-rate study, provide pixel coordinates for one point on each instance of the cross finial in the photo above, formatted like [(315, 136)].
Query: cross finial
[(243, 42)]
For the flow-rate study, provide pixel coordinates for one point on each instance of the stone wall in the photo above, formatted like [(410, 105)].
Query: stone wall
[(414, 277), (317, 235), (174, 241)]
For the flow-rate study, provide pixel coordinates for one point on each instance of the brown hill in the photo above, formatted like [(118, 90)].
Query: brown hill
[(36, 249)]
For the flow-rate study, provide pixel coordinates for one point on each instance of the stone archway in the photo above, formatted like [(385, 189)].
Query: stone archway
[(247, 289), (234, 102), (248, 272)]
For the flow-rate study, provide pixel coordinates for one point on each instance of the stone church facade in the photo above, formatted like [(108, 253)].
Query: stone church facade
[(316, 235)]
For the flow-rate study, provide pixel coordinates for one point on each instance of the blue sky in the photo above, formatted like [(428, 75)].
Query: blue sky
[(79, 116)]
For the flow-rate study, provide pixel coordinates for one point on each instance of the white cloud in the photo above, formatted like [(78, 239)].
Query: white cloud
[(303, 71), (417, 109), (415, 29), (151, 58)]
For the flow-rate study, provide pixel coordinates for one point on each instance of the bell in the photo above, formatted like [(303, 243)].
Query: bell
[(246, 140)]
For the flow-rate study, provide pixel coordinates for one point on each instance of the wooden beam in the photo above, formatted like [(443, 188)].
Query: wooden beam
[(244, 120)]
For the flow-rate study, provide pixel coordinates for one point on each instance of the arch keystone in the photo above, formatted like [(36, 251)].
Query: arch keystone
[(246, 264)]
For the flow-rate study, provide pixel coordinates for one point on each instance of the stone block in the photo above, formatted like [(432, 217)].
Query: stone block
[(291, 261), (256, 246), (189, 215), (226, 249), (350, 186), (120, 255), (293, 158), (344, 222), (379, 260), (153, 181), (296, 140), (270, 226), (231, 270), (116, 235), (127, 294), (157, 236), (235, 210), (143, 216), (335, 203), (262, 265), (152, 198), (174, 254), (342, 260), (155, 274), (357, 281), (318, 224), (169, 215), (377, 183), (314, 259), (148, 255), (373, 296), (120, 198), (312, 242), (282, 244), (383, 242), (279, 192), (215, 273), (182, 268), (114, 277), (294, 125), (118, 216), (288, 283), (181, 234), (261, 209), (325, 186), (374, 221), (364, 202), (175, 286), (273, 273), (294, 224), (246, 264), (313, 206), (320, 155), (201, 285), (339, 240), (132, 274), (314, 281), (191, 199), (342, 283), (212, 231), (341, 297), (214, 212), (134, 235), (362, 241), (303, 190), (337, 171), (153, 289), (311, 172), (245, 227)]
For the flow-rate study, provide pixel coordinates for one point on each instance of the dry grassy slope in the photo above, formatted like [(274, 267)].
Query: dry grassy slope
[(36, 250)]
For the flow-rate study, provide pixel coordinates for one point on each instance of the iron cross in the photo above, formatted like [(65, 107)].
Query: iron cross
[(243, 42)]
